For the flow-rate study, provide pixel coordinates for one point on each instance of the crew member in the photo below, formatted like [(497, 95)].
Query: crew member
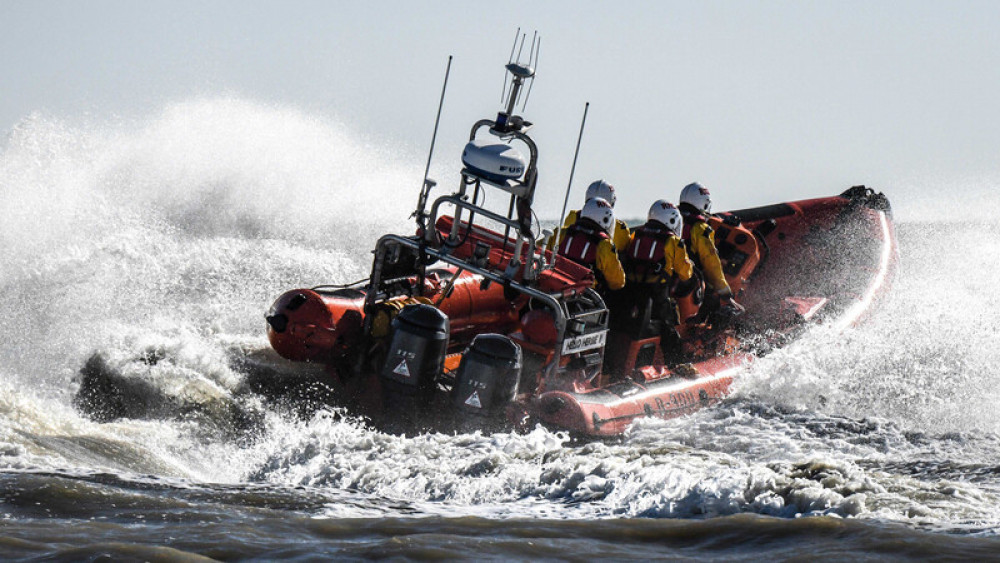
[(605, 191), (657, 267), (588, 242), (695, 206)]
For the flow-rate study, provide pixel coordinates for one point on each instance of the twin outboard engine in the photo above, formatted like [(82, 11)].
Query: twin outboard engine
[(487, 376), (486, 380)]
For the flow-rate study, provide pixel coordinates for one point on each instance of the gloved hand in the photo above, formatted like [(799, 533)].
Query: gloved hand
[(727, 302)]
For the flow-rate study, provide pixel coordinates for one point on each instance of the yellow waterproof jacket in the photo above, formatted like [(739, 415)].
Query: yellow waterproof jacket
[(701, 245), (656, 256), (603, 260), (609, 266), (620, 238)]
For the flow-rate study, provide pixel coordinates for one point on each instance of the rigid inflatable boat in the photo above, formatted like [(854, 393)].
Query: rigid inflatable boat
[(470, 323)]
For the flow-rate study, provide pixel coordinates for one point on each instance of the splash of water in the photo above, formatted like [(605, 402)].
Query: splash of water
[(926, 359), (171, 236)]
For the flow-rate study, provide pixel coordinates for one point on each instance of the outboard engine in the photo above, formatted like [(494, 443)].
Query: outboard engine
[(416, 354), (487, 376)]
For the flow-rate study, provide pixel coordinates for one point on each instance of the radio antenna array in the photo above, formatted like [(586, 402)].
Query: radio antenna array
[(521, 71)]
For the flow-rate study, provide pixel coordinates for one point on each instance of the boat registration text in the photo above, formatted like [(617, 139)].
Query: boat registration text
[(585, 342)]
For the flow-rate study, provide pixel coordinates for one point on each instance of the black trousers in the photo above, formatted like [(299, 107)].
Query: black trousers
[(639, 307)]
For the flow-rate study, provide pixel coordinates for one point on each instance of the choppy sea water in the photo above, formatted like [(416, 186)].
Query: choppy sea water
[(174, 234)]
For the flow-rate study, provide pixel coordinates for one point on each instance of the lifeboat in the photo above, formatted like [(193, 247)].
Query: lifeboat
[(470, 323)]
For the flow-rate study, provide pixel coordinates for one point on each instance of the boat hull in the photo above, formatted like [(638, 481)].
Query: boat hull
[(790, 264)]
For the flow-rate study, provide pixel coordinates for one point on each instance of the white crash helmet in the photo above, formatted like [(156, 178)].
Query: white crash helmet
[(698, 196), (599, 211), (603, 190), (666, 213)]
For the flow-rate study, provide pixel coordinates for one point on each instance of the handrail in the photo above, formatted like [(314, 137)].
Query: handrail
[(553, 301), (431, 234), (529, 266)]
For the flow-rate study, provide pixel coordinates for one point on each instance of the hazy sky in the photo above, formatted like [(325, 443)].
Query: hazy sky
[(761, 101)]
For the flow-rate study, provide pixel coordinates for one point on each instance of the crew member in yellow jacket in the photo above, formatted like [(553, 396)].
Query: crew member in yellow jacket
[(657, 268), (605, 191), (695, 206), (588, 242)]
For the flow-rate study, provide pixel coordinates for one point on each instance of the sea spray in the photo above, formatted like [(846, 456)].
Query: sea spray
[(926, 359), (169, 237)]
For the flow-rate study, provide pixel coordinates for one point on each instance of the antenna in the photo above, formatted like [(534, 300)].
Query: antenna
[(514, 46), (520, 71), (572, 170), (521, 48), (503, 91), (428, 183), (534, 66)]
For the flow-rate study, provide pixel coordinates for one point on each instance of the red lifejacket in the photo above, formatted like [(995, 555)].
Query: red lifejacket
[(581, 242), (691, 217), (644, 257)]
